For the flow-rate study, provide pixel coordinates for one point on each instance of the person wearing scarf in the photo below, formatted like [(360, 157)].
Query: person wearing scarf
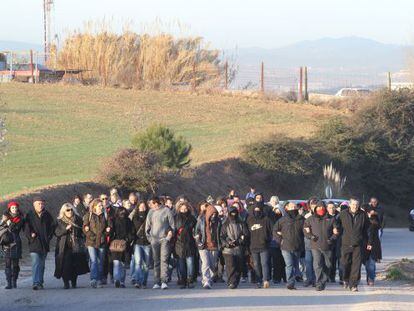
[(12, 221), (70, 256)]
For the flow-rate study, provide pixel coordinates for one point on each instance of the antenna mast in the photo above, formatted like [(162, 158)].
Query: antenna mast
[(47, 20)]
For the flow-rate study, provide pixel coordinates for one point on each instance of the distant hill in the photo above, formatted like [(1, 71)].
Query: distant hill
[(19, 46), (348, 52)]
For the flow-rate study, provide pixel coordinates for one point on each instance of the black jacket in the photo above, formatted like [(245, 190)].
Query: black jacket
[(71, 240), (291, 229), (184, 237), (354, 228), (138, 221), (320, 232), (373, 238), (43, 227), (14, 249), (260, 229), (122, 230), (234, 236)]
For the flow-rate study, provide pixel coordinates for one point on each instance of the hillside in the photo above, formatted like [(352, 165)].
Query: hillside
[(59, 134)]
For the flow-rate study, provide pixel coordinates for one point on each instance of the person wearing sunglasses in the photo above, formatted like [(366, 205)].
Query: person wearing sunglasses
[(70, 255)]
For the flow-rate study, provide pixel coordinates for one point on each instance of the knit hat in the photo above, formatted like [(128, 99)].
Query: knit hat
[(38, 198), (12, 203)]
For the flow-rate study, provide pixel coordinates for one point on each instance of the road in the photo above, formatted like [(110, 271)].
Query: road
[(397, 244)]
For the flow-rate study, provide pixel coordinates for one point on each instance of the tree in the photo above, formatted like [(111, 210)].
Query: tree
[(132, 169), (174, 152)]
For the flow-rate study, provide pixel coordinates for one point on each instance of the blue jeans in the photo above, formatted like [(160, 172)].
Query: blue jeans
[(96, 260), (142, 259), (119, 271), (309, 271), (186, 267), (292, 265), (261, 266), (38, 267), (370, 267)]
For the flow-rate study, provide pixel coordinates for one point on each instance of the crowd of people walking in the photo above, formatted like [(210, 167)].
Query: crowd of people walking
[(231, 239)]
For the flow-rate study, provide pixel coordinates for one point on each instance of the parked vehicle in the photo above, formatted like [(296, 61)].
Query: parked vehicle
[(411, 218), (353, 92)]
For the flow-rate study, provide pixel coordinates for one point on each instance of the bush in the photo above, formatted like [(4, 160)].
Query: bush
[(131, 169), (174, 152)]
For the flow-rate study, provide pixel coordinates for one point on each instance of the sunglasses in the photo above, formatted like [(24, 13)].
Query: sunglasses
[(104, 199), (69, 210)]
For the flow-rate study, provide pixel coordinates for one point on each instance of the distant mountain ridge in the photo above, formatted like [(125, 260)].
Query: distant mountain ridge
[(19, 46), (349, 52)]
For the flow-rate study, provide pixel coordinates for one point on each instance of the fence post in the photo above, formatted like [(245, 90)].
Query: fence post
[(262, 78), (300, 97), (306, 84), (226, 78), (389, 81), (194, 77), (31, 66)]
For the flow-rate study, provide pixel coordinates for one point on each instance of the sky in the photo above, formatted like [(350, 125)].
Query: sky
[(225, 23)]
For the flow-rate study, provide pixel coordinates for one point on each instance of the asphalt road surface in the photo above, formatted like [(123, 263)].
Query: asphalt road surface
[(397, 244)]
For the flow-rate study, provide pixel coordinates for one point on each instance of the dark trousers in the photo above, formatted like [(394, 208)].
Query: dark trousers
[(69, 267), (234, 266), (108, 267), (219, 267), (351, 259), (12, 268), (321, 265), (277, 264), (335, 265), (261, 265)]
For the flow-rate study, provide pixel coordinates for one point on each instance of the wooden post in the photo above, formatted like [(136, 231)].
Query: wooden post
[(389, 81), (194, 77), (306, 84), (300, 97), (31, 66), (226, 78), (262, 78)]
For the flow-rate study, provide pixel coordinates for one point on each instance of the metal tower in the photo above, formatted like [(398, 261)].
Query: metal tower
[(47, 20)]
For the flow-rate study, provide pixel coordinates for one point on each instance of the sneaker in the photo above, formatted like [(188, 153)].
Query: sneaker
[(156, 286), (164, 286), (354, 289), (243, 280), (345, 285), (94, 284), (319, 288), (266, 284), (207, 286), (291, 287), (35, 287), (232, 286), (258, 285), (137, 285)]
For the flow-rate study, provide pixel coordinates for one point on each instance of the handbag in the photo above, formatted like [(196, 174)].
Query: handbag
[(117, 246)]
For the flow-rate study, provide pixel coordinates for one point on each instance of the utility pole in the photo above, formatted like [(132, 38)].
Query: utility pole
[(47, 20)]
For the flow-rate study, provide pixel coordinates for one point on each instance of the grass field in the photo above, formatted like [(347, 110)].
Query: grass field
[(60, 134)]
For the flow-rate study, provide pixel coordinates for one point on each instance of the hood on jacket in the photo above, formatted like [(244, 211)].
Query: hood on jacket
[(210, 211)]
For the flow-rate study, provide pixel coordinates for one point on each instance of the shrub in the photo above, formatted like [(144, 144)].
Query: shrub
[(174, 152), (131, 169)]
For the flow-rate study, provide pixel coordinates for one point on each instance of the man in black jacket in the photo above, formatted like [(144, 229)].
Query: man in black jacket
[(321, 230), (289, 231), (39, 231), (260, 228), (354, 224)]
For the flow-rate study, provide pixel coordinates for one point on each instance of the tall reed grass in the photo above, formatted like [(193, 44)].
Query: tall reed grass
[(129, 59)]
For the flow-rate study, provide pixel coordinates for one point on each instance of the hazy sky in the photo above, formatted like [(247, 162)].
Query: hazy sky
[(225, 23)]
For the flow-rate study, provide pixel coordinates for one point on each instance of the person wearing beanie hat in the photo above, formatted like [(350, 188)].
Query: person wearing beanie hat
[(13, 221), (321, 230), (260, 228), (39, 230), (233, 236)]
